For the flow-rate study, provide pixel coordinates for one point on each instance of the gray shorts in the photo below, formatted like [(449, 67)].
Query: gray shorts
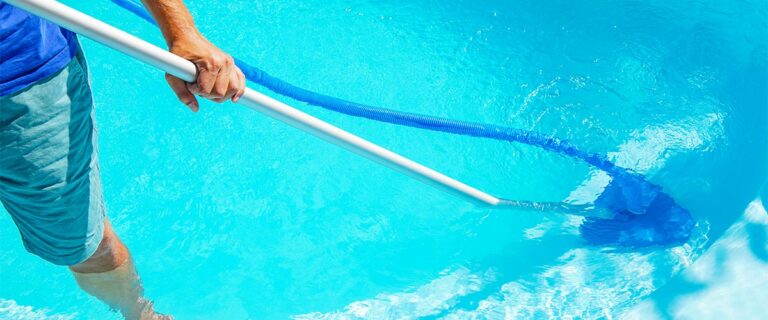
[(49, 173)]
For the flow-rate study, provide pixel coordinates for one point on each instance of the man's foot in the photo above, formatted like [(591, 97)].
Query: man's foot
[(145, 311)]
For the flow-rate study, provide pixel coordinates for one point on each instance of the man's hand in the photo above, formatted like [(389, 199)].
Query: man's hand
[(218, 78)]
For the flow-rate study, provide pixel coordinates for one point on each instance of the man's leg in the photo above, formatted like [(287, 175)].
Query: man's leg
[(109, 274), (50, 184)]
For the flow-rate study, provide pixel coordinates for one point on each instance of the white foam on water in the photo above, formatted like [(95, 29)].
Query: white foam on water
[(430, 299), (10, 310)]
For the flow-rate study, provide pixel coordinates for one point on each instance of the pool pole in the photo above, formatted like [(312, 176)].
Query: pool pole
[(139, 49)]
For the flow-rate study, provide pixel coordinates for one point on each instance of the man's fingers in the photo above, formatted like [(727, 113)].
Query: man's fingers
[(206, 78), (235, 85), (179, 87), (240, 85), (221, 86), (218, 78)]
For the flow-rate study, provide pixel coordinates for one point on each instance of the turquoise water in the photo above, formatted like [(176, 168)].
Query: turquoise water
[(231, 215)]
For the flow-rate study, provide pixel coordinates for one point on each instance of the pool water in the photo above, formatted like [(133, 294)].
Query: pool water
[(232, 215)]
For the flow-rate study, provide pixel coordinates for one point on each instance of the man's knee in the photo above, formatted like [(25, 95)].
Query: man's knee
[(110, 254)]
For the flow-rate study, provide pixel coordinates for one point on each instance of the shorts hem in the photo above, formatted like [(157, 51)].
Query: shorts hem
[(74, 258)]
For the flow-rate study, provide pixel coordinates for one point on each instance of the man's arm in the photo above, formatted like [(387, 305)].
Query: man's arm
[(218, 78)]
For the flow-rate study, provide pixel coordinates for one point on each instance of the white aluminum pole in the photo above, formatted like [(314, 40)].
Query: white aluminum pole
[(119, 40)]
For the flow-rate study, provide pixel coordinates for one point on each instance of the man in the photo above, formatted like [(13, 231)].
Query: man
[(49, 172)]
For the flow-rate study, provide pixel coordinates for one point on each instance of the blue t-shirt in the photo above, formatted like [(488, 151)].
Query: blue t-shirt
[(30, 49)]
